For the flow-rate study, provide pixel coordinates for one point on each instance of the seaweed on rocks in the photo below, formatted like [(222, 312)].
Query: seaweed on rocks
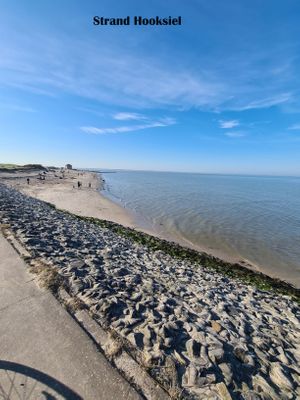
[(231, 270)]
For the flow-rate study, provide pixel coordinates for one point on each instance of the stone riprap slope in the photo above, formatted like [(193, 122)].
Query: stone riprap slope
[(223, 338)]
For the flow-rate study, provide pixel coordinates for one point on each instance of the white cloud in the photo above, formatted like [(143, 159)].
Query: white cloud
[(122, 129), (235, 134), (229, 124), (295, 127), (125, 116)]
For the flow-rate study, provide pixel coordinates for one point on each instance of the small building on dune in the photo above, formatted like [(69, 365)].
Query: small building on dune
[(68, 166)]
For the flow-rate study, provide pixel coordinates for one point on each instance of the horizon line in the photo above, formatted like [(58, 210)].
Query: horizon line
[(191, 172)]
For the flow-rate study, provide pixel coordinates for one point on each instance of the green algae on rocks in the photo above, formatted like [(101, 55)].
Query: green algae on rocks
[(230, 270)]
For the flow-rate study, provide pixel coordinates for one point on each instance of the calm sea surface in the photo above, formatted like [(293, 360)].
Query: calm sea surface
[(256, 219)]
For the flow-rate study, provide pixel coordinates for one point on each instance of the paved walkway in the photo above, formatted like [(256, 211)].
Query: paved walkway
[(44, 354)]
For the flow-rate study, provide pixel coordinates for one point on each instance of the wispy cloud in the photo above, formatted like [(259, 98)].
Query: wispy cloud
[(267, 102), (126, 116), (91, 110), (235, 134), (72, 66), (229, 124), (255, 123), (16, 107), (92, 70), (130, 128), (295, 127)]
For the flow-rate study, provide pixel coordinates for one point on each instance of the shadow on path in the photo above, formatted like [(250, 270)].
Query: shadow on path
[(21, 382)]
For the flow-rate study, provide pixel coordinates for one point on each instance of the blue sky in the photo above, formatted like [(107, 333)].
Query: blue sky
[(218, 94)]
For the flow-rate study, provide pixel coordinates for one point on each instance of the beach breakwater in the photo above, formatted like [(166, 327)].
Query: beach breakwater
[(219, 336)]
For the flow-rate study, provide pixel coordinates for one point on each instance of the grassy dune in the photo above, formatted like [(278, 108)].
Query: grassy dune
[(16, 167)]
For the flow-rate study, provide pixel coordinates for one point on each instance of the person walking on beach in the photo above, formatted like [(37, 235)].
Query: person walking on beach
[(78, 184), (28, 180)]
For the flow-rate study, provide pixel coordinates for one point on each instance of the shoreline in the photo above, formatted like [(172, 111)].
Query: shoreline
[(140, 226), (58, 190), (235, 271)]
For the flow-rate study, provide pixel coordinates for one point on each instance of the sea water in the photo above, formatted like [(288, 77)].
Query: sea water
[(255, 219)]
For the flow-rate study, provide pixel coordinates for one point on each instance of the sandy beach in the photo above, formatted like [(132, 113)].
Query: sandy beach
[(203, 329), (61, 189)]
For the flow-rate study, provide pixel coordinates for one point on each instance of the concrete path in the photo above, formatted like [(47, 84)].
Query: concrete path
[(44, 354)]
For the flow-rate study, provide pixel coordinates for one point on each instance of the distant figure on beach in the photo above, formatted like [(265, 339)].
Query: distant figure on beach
[(90, 185), (78, 184), (28, 180)]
